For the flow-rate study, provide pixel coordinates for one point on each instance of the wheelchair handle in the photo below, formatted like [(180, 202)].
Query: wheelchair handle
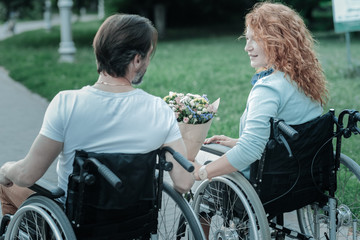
[(288, 130), (184, 162), (357, 116), (114, 180)]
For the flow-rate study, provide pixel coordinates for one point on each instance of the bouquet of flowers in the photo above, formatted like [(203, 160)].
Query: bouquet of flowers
[(194, 114)]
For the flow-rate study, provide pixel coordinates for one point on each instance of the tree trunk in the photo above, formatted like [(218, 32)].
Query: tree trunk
[(160, 19)]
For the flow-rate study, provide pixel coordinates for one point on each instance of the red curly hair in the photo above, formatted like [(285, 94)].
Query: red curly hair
[(289, 46)]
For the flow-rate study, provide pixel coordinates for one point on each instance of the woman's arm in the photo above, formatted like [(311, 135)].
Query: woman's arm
[(263, 103), (27, 171), (216, 168)]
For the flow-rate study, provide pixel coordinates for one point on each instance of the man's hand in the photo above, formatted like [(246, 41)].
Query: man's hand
[(196, 170), (3, 179)]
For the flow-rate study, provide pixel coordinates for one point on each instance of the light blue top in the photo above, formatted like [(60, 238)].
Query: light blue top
[(271, 96)]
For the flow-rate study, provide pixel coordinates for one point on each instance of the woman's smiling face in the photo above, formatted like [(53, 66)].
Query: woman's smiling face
[(256, 53)]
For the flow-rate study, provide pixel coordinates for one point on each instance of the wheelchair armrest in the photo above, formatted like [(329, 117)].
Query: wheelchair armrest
[(48, 189), (214, 148)]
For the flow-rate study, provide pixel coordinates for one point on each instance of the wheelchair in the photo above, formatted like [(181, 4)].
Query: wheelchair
[(299, 172), (135, 202)]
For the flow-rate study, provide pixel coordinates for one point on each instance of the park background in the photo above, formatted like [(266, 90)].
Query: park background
[(199, 51)]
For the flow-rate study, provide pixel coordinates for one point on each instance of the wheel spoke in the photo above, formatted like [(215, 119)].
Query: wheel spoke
[(348, 206)]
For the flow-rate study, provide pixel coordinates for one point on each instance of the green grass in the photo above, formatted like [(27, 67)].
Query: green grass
[(211, 64)]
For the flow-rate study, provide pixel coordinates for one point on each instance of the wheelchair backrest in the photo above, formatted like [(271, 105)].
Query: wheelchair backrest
[(93, 202), (287, 183)]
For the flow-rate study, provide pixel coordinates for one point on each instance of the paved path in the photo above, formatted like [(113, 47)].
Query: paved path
[(21, 110), (38, 24), (20, 118)]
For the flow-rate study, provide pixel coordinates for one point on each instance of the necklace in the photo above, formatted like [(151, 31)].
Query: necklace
[(112, 84)]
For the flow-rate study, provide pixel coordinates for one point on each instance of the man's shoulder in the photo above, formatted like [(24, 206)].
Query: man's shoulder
[(149, 96)]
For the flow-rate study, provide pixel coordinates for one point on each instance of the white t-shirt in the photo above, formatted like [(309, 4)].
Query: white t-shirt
[(96, 121)]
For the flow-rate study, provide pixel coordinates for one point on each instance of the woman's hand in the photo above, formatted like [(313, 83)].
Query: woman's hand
[(221, 139)]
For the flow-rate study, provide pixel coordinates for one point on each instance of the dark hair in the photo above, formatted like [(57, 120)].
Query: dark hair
[(119, 39)]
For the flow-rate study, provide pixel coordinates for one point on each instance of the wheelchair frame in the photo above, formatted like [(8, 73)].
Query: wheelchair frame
[(42, 217), (216, 199)]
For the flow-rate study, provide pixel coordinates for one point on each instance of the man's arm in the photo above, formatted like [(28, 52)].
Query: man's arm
[(182, 179), (27, 171)]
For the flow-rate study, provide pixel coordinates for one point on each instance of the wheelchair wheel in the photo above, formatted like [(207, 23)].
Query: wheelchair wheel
[(348, 206), (176, 219), (40, 218), (230, 211)]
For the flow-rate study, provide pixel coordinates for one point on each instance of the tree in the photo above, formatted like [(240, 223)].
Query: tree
[(304, 7), (180, 13), (183, 12), (23, 8)]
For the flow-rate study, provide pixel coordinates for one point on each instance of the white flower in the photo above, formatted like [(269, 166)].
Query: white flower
[(186, 100)]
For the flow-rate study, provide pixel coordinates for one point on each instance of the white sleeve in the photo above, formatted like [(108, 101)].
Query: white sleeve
[(53, 126)]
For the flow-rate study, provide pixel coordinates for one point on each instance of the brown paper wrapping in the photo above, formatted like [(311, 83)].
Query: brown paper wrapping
[(195, 134)]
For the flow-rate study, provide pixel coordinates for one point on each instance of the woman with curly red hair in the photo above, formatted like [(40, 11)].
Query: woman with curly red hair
[(289, 84)]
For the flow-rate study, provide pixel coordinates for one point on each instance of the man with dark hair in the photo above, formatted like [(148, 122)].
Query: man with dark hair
[(110, 116)]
